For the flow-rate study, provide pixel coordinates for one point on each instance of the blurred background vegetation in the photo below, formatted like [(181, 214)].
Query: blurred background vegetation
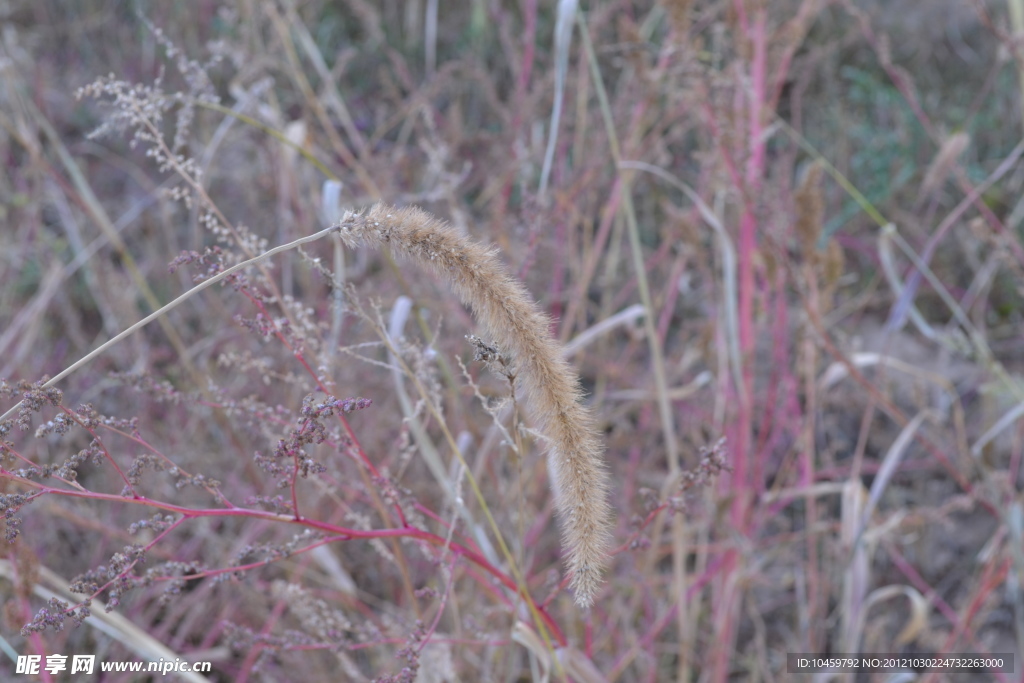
[(729, 235)]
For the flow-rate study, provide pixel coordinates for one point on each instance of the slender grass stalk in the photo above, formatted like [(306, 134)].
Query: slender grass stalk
[(163, 310), (657, 360)]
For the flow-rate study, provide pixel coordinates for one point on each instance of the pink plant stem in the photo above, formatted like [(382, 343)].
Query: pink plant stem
[(341, 417), (149, 447), (343, 532), (149, 546), (467, 540), (728, 589), (106, 454)]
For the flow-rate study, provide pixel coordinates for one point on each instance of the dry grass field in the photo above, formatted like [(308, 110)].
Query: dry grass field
[(503, 340)]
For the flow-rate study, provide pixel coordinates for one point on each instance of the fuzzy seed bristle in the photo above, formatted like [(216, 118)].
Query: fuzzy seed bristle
[(514, 321)]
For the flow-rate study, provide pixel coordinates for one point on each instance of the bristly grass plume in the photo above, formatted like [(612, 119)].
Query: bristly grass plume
[(553, 398)]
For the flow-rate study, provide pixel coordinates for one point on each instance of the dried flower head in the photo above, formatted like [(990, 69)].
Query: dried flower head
[(521, 331)]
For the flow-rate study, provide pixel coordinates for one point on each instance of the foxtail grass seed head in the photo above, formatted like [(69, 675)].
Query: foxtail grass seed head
[(519, 329)]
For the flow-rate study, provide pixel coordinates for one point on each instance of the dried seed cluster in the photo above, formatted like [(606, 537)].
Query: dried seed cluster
[(518, 327)]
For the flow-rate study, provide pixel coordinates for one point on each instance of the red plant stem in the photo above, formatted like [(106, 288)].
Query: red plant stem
[(341, 417), (106, 453), (727, 610), (468, 541), (343, 532), (406, 529)]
